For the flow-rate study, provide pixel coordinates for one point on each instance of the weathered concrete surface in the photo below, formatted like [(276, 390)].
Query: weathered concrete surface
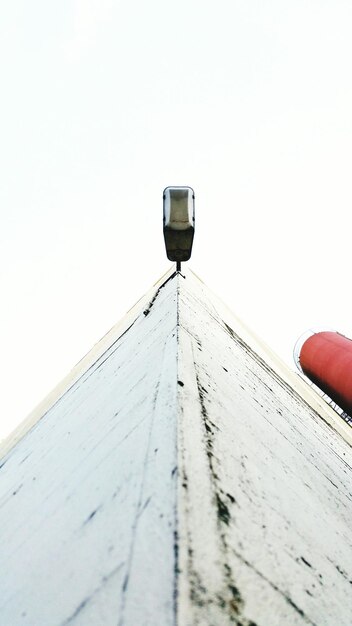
[(180, 475), (88, 496), (265, 506)]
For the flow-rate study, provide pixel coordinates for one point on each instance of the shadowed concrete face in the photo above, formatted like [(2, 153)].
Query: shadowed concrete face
[(181, 475)]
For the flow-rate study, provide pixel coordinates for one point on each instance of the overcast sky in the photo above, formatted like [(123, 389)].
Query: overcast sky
[(106, 102)]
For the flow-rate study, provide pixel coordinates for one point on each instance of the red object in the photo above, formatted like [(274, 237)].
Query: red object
[(326, 358)]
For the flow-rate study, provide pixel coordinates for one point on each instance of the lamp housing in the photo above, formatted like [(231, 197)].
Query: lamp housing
[(178, 222)]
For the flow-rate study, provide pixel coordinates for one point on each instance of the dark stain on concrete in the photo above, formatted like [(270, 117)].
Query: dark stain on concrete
[(294, 605), (223, 510), (282, 593), (198, 592), (151, 303), (184, 480), (125, 583), (145, 505), (343, 573), (92, 514), (17, 490), (76, 612), (88, 599), (23, 460), (333, 484), (230, 600), (176, 573)]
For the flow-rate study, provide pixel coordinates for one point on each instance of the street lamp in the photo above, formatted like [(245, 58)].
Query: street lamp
[(178, 223)]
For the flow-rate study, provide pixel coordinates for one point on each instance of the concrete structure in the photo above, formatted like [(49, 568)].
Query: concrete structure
[(181, 475)]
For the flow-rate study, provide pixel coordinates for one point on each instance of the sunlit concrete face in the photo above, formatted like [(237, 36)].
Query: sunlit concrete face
[(89, 516), (185, 476)]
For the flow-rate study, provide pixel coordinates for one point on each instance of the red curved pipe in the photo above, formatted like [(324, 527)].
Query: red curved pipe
[(326, 358)]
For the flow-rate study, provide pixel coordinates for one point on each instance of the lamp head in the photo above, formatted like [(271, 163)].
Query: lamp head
[(178, 222)]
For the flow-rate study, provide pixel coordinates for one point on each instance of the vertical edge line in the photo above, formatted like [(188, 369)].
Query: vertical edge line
[(176, 527)]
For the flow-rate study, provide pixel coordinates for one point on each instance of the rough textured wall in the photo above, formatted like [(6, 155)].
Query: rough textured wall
[(181, 479), (87, 497), (265, 505)]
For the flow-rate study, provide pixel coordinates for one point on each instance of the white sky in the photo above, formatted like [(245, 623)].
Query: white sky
[(106, 102)]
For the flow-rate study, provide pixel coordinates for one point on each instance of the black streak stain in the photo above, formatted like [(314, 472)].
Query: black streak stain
[(76, 612), (230, 600), (343, 573), (23, 460), (223, 511), (296, 608), (277, 589), (231, 332), (334, 484), (198, 592), (145, 505), (179, 382), (147, 310), (176, 572), (236, 601), (84, 603), (90, 517), (209, 430), (125, 583)]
